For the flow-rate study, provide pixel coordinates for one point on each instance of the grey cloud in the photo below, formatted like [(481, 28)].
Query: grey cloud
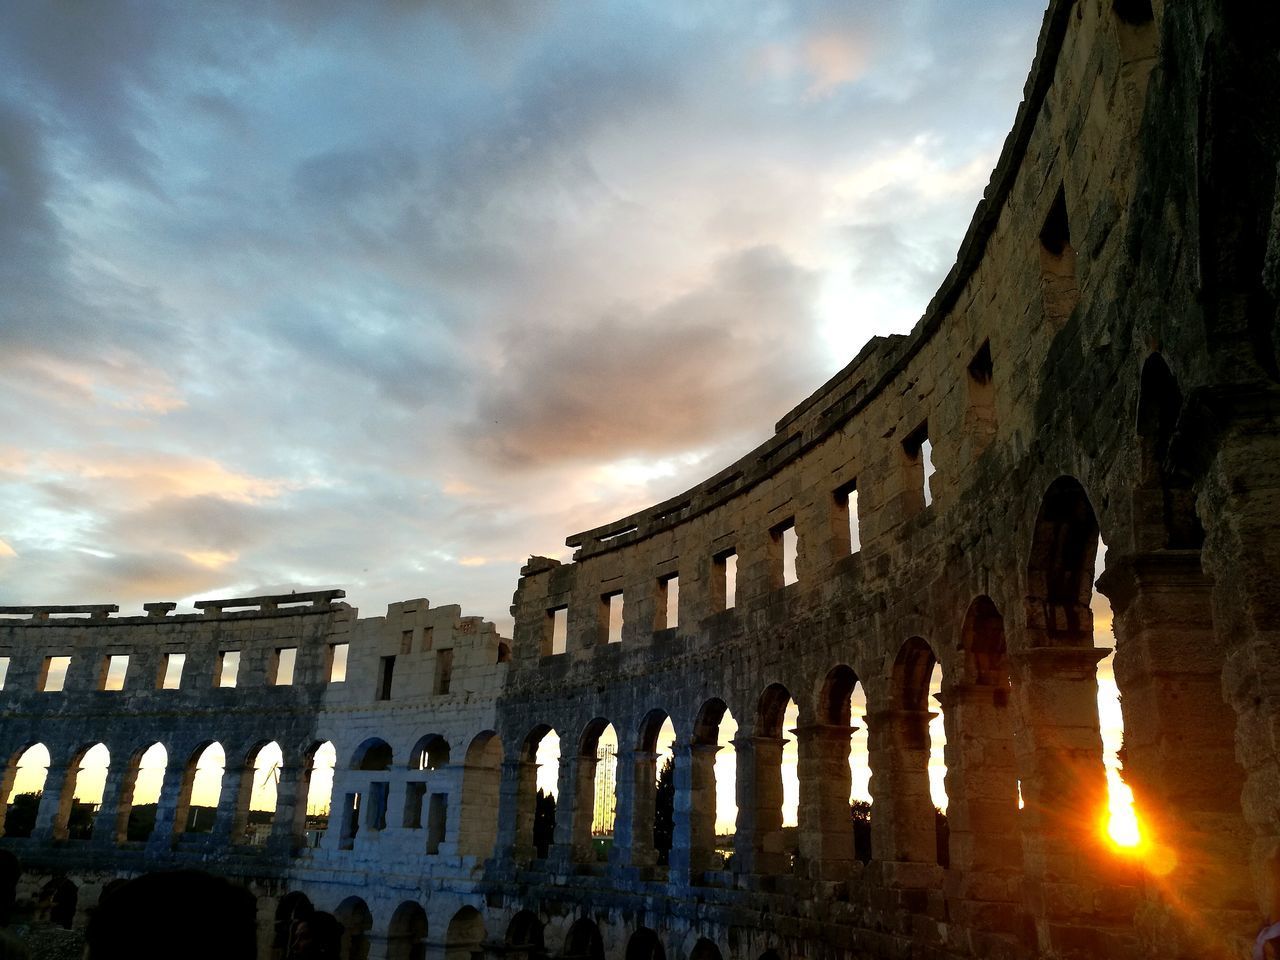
[(658, 381)]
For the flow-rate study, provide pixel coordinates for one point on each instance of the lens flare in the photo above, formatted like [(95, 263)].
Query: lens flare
[(1122, 822)]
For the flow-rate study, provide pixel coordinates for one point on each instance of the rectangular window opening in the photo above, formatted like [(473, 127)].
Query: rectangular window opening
[(427, 638), (1058, 263), (386, 670), (171, 679), (724, 581), (612, 608), (4, 671), (114, 671), (436, 813), (785, 538), (53, 675), (444, 671), (338, 662), (668, 606), (557, 630), (919, 467), (286, 660), (846, 516), (414, 794), (228, 668), (406, 641), (350, 821), (981, 414), (379, 793)]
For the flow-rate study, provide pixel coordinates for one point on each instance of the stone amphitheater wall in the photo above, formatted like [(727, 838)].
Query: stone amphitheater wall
[(1098, 368)]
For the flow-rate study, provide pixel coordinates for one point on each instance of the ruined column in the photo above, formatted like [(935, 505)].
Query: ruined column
[(233, 805), (104, 822), (55, 805), (288, 831), (516, 802), (760, 848), (1179, 756), (902, 820), (984, 876), (580, 773), (695, 810), (171, 807), (1064, 793), (633, 828), (824, 819)]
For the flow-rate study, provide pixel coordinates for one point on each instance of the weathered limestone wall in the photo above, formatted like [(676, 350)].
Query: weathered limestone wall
[(1100, 367)]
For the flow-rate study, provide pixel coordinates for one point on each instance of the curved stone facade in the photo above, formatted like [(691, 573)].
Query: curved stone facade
[(1100, 366)]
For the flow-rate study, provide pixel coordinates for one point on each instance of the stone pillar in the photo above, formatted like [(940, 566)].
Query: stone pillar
[(104, 823), (824, 819), (171, 808), (695, 810), (902, 818), (760, 849), (633, 828), (288, 824), (517, 790), (580, 789), (233, 806), (1238, 506), (1064, 793), (55, 804), (1179, 753), (983, 883)]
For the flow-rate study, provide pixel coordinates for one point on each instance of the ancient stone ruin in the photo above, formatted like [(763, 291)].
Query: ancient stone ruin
[(1100, 365)]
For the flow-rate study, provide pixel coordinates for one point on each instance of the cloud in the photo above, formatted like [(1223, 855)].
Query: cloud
[(651, 382)]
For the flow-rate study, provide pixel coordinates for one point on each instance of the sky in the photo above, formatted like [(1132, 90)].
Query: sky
[(392, 297)]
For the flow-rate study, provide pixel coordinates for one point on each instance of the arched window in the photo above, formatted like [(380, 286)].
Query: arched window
[(407, 934), (464, 939), (82, 793), (201, 790), (140, 794), (596, 784), (481, 778), (22, 789)]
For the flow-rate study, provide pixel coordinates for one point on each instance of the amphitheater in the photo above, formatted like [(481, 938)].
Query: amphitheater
[(1099, 366)]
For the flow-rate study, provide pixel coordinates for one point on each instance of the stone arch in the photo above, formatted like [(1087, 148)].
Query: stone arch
[(525, 937), (464, 939), (481, 782), (357, 920), (407, 932), (705, 805), (595, 788), (76, 814), (22, 788), (429, 753), (905, 826), (290, 908), (1056, 693), (583, 941), (372, 754), (645, 945), (259, 779), (1060, 568), (833, 831), (139, 797), (313, 809), (537, 804), (201, 789), (766, 750), (651, 813)]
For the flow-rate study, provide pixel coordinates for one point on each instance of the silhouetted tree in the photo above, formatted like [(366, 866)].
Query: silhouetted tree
[(544, 823), (21, 818), (664, 810), (860, 811)]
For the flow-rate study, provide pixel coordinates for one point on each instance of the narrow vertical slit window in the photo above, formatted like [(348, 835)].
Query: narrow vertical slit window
[(427, 637), (406, 641), (171, 677), (611, 608), (228, 668), (386, 670), (917, 470), (436, 813), (667, 612), (338, 662), (845, 529), (53, 675), (724, 581), (113, 672), (444, 671), (981, 416), (414, 793), (4, 671), (1058, 263), (786, 546), (286, 660), (557, 631)]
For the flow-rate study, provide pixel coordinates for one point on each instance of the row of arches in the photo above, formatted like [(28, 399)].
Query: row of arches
[(466, 937), (68, 800)]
